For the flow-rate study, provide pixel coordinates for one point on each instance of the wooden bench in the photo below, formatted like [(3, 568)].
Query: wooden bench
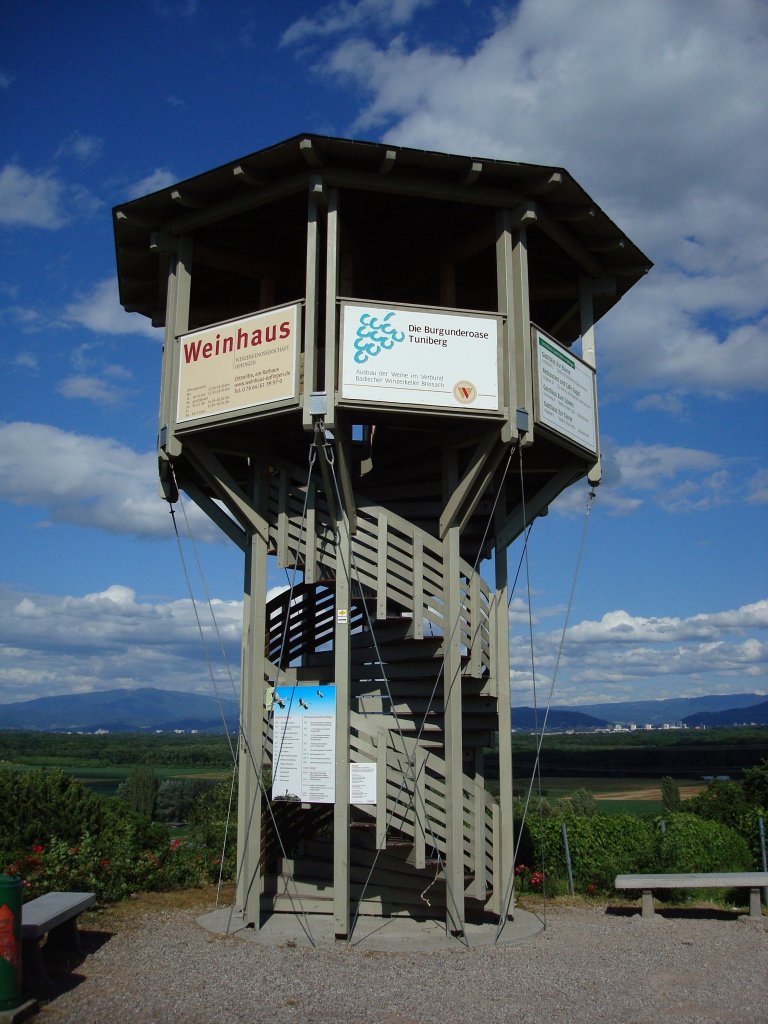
[(752, 880), (55, 915)]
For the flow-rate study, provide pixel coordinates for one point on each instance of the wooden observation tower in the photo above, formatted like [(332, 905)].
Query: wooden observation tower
[(378, 369)]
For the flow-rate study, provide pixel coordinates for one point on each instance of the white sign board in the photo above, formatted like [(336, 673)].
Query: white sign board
[(362, 782), (304, 744), (237, 365), (419, 357), (565, 392)]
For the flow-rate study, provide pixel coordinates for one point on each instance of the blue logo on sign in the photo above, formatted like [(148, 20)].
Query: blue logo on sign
[(374, 335)]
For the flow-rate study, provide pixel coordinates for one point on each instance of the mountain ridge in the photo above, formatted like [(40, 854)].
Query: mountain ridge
[(150, 708)]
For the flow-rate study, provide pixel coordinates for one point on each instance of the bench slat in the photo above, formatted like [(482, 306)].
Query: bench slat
[(694, 880), (41, 915)]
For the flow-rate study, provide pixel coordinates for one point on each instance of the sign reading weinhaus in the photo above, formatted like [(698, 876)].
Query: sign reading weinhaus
[(565, 391), (239, 365), (419, 357)]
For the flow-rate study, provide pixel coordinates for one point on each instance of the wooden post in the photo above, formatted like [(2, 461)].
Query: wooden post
[(454, 764), (250, 882), (506, 854), (342, 670)]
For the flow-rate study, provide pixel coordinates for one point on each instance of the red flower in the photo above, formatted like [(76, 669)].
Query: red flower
[(37, 849), (175, 844), (520, 869), (104, 862), (591, 889), (537, 878)]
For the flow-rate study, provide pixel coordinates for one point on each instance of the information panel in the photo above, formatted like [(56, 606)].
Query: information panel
[(304, 744), (237, 365), (362, 782), (565, 391), (419, 357)]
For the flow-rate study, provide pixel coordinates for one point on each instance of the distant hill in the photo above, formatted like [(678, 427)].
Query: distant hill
[(671, 709), (558, 719), (122, 710), (754, 714), (148, 708)]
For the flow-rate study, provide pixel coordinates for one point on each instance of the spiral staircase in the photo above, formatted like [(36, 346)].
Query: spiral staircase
[(398, 629)]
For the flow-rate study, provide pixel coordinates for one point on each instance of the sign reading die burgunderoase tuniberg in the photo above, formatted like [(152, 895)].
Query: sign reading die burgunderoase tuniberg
[(237, 365), (419, 357)]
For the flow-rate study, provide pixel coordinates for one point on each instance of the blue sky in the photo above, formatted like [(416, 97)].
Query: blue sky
[(656, 108)]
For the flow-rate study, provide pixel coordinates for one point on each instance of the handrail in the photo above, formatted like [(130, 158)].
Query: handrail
[(394, 561)]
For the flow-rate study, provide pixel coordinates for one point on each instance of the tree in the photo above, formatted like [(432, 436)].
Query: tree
[(670, 795), (176, 797), (722, 801), (756, 784), (580, 802), (140, 790)]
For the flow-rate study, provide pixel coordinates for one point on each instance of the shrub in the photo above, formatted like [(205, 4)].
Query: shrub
[(580, 802), (212, 819), (601, 846), (722, 801), (690, 843), (756, 784), (58, 835)]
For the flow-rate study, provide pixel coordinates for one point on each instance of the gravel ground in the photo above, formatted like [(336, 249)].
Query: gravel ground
[(591, 964)]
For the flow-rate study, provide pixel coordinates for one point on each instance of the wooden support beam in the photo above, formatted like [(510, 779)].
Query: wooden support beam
[(388, 161), (309, 151), (217, 514), (546, 184), (520, 518), (191, 200), (569, 243), (209, 467), (474, 172), (246, 177), (465, 491)]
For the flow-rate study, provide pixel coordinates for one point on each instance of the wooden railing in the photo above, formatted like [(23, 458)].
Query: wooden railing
[(393, 561)]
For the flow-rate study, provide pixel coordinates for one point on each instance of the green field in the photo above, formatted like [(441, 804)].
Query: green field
[(106, 780), (628, 766)]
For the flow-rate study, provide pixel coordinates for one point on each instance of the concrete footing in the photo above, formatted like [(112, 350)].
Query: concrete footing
[(388, 934)]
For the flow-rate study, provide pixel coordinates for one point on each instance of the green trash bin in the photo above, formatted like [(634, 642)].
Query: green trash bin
[(10, 942)]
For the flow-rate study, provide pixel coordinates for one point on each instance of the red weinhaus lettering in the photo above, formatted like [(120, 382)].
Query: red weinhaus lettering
[(194, 350)]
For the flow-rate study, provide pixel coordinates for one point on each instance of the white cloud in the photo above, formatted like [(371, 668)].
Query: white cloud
[(343, 16), (671, 477), (159, 179), (656, 108), (27, 361), (83, 148), (51, 644), (50, 468), (621, 627), (93, 389), (100, 311), (623, 656), (31, 200)]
